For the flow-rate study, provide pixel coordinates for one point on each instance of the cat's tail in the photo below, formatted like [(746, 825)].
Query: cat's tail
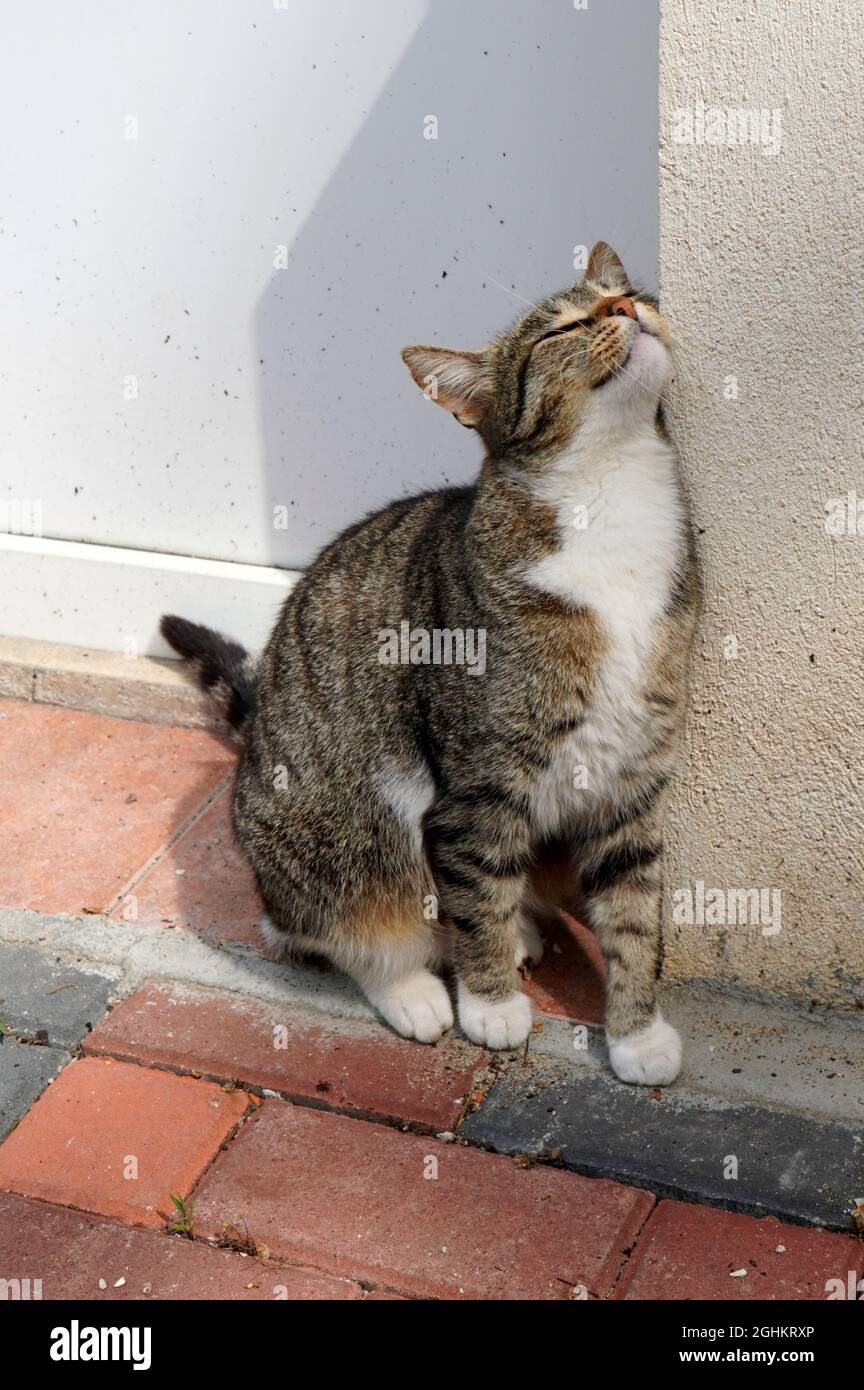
[(223, 668)]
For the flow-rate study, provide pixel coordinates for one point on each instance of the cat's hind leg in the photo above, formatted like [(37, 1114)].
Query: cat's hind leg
[(281, 945), (529, 942), (413, 1001), (391, 952)]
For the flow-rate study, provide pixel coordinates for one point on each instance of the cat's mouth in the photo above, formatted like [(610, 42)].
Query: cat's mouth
[(618, 368)]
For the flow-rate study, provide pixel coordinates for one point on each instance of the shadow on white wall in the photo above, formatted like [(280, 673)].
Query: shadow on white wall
[(546, 140)]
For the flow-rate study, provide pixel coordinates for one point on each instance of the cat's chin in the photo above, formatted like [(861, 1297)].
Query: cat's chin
[(641, 378), (648, 363)]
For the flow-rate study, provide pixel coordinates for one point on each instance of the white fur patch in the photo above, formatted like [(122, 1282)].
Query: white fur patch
[(651, 1057), (529, 943), (622, 530), (277, 942), (408, 793), (494, 1023)]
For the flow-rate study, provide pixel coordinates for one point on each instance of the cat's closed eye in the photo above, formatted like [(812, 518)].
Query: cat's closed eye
[(571, 327)]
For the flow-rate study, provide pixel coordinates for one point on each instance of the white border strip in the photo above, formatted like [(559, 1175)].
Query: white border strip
[(111, 599)]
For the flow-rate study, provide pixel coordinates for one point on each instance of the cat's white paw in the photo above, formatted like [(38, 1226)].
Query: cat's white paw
[(494, 1023), (529, 944), (651, 1057), (417, 1006)]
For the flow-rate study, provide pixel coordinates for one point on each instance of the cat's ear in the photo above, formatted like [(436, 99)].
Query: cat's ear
[(458, 381), (604, 266)]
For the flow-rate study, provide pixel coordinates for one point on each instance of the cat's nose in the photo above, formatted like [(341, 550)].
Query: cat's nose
[(623, 307)]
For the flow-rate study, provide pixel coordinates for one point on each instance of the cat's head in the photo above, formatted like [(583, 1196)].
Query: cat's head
[(594, 357)]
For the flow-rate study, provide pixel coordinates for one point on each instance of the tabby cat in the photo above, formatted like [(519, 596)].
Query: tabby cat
[(407, 805)]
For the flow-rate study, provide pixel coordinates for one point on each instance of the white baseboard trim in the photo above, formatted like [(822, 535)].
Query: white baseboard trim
[(111, 599)]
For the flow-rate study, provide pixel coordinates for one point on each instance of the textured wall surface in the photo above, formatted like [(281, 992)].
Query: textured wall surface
[(761, 273)]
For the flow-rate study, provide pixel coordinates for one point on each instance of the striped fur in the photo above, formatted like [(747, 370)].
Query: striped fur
[(400, 816)]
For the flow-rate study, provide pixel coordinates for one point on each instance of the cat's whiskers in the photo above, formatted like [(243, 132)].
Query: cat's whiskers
[(530, 302)]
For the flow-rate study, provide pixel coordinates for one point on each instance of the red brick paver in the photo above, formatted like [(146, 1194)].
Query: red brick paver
[(117, 1139), (93, 797), (569, 981), (368, 1202), (695, 1252), (340, 1065), (203, 883), (73, 1255)]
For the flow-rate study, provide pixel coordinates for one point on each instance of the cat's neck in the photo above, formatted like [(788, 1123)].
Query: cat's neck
[(635, 452), (594, 458), (621, 527), (604, 486)]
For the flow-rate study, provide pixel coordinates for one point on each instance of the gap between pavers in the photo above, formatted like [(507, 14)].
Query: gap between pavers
[(87, 799), (688, 1252), (25, 1071), (164, 852)]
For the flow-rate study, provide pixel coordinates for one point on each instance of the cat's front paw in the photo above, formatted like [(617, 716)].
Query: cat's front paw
[(417, 1006), (650, 1057), (495, 1023)]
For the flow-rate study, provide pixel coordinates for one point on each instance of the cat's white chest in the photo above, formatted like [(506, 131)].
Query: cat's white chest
[(622, 530)]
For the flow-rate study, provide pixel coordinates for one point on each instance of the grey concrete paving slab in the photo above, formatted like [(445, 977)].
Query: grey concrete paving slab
[(779, 1052), (741, 1047), (133, 954), (746, 1157), (38, 992), (24, 1073)]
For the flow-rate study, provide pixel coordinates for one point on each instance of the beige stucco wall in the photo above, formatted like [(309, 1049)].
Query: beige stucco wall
[(761, 274)]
